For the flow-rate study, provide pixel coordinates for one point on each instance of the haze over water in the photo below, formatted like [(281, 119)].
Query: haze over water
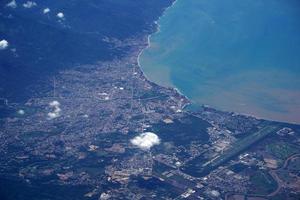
[(234, 55)]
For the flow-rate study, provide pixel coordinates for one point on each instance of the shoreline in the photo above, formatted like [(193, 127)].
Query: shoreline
[(148, 45), (191, 102)]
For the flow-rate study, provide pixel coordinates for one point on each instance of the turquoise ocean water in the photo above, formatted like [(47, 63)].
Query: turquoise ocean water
[(234, 55)]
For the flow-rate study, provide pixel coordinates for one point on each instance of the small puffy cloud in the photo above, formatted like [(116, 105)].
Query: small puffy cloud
[(60, 15), (54, 103), (145, 140), (104, 196), (56, 110), (46, 10), (12, 4), (3, 44), (21, 112), (29, 4), (53, 115)]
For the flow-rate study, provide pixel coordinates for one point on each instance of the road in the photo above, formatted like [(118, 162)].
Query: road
[(280, 183)]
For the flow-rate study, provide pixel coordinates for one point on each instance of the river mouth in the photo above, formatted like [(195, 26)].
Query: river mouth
[(240, 56)]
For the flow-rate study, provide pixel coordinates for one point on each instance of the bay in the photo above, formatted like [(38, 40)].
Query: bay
[(241, 56)]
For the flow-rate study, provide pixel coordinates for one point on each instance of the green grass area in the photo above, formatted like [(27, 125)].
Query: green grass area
[(281, 150), (181, 180), (285, 195), (284, 175), (294, 165), (279, 197), (262, 183)]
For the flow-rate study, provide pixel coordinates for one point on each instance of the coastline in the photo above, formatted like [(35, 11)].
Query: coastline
[(148, 45), (190, 102)]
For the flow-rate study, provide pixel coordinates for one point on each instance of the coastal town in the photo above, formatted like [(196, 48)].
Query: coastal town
[(104, 131), (80, 133)]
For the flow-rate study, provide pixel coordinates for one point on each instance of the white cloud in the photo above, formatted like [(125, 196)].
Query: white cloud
[(104, 196), (56, 110), (12, 4), (54, 103), (46, 10), (53, 115), (21, 112), (60, 15), (145, 140), (29, 4), (3, 44)]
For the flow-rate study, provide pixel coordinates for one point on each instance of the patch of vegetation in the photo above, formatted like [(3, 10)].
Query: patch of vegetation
[(262, 183), (281, 150), (286, 195), (285, 176), (237, 168), (294, 165)]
